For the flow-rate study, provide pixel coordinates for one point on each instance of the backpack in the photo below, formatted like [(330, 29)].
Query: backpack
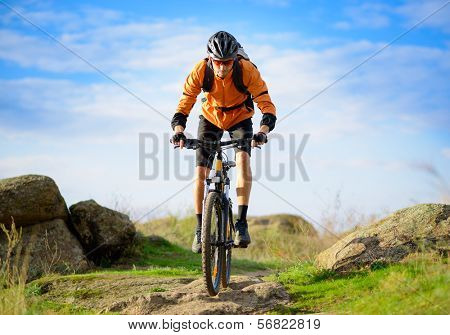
[(208, 81)]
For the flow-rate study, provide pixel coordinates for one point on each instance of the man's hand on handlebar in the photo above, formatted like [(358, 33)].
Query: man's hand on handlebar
[(259, 138), (179, 138)]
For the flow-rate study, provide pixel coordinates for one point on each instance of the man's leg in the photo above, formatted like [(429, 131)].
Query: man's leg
[(201, 172), (244, 186), (242, 130), (199, 188), (244, 178), (204, 159)]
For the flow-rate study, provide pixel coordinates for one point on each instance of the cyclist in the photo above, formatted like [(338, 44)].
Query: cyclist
[(225, 107)]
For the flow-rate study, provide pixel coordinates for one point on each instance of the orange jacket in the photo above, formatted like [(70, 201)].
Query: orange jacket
[(225, 94)]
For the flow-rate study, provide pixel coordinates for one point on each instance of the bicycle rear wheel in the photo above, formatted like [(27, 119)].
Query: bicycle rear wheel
[(212, 251), (226, 262)]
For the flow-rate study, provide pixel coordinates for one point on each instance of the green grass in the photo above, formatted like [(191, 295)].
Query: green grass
[(418, 286), (45, 307), (157, 271), (168, 258), (283, 242)]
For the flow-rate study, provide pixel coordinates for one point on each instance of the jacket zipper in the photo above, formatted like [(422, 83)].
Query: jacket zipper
[(223, 90)]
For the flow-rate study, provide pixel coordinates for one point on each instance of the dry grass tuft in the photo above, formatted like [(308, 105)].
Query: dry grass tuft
[(12, 276)]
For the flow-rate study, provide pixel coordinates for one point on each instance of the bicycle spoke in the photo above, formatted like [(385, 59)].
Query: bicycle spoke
[(211, 248)]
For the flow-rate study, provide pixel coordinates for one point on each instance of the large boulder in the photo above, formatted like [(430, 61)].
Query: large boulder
[(417, 228), (47, 247), (38, 209), (30, 199), (104, 233)]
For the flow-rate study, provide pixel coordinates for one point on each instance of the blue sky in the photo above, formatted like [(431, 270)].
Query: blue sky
[(379, 138)]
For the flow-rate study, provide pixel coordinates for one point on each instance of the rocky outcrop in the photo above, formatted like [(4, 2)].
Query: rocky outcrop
[(53, 239), (31, 199), (47, 247), (418, 228), (104, 233)]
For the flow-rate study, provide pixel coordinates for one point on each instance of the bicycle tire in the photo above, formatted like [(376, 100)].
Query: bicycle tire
[(227, 253), (211, 253)]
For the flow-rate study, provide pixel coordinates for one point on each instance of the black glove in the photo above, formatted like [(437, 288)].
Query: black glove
[(178, 137), (260, 137)]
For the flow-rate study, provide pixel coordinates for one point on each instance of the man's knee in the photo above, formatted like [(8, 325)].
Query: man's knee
[(242, 159), (200, 173)]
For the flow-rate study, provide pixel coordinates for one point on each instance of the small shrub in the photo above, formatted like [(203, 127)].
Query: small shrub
[(12, 278), (33, 290)]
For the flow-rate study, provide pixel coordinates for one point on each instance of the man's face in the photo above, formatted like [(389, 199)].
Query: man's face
[(222, 67)]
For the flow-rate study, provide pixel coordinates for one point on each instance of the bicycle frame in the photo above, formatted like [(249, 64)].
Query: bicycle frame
[(221, 183), (220, 178)]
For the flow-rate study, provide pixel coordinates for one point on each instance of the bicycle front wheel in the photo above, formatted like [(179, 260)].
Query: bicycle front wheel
[(212, 250), (226, 262)]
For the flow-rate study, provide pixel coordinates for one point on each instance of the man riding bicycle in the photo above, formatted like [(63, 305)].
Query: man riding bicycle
[(231, 84)]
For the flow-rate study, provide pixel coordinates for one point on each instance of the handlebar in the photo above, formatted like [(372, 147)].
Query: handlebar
[(194, 144)]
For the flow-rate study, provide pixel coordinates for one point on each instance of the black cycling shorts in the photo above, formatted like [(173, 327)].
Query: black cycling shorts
[(210, 132)]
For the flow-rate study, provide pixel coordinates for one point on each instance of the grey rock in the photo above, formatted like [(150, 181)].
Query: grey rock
[(104, 233), (30, 199), (419, 228), (47, 247)]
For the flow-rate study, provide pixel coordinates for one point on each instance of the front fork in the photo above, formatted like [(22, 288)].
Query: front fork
[(226, 206), (223, 187), (226, 213)]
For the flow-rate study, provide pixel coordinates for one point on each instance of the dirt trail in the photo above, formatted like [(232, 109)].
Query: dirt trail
[(159, 295), (246, 295)]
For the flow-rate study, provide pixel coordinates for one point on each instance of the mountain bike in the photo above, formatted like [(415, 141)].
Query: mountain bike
[(217, 226)]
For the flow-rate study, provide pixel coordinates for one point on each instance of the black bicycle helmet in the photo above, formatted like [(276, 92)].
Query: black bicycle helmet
[(222, 45)]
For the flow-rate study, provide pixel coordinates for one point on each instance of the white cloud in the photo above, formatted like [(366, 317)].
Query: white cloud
[(365, 15), (417, 10), (342, 25), (89, 112), (276, 37), (86, 17), (380, 15), (446, 152), (17, 48), (273, 3), (360, 164), (127, 46), (394, 79), (389, 89)]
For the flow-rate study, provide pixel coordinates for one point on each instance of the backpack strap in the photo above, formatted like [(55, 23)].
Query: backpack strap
[(239, 83), (208, 79), (227, 109), (238, 77)]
